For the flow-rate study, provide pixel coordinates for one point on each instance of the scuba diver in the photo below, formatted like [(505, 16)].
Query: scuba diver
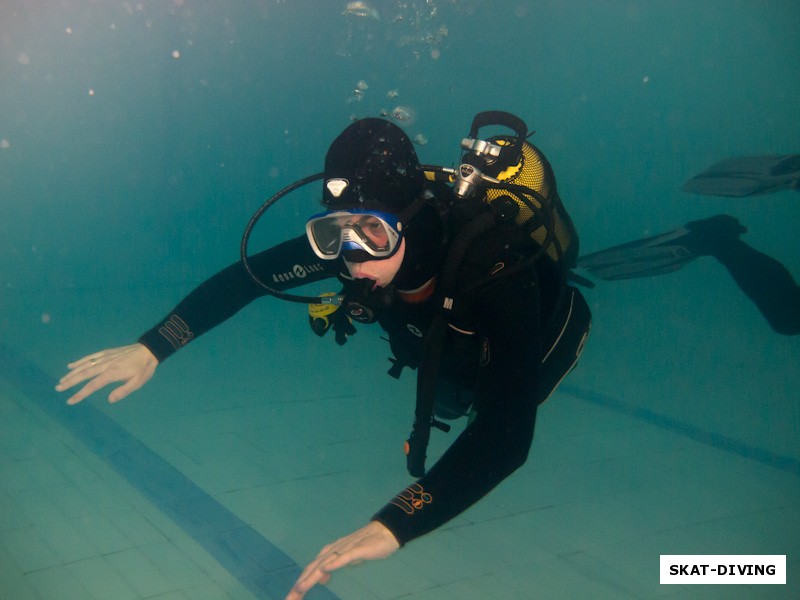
[(465, 269), (763, 279)]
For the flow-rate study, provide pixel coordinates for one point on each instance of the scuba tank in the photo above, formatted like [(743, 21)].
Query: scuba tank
[(508, 167), (516, 181)]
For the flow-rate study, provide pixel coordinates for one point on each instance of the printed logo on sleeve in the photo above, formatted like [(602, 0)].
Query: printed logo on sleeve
[(412, 499), (176, 331), (297, 272)]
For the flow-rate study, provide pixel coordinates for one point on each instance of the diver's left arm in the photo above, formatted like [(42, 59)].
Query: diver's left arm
[(496, 443)]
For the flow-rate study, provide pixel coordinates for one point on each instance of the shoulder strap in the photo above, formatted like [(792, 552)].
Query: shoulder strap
[(433, 345)]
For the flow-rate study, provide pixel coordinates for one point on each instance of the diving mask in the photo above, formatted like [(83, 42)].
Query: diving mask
[(359, 235)]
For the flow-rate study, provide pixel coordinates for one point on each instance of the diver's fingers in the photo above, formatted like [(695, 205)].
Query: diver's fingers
[(79, 374), (312, 575), (89, 359), (90, 388), (131, 383), (371, 542), (109, 355), (319, 571), (130, 386), (88, 367), (133, 365)]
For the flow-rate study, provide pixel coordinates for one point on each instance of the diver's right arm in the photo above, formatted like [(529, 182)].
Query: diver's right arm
[(284, 266)]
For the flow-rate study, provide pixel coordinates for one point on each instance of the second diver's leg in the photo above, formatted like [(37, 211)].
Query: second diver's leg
[(767, 283), (762, 278)]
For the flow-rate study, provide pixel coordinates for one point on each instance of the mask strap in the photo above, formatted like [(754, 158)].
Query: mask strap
[(412, 209)]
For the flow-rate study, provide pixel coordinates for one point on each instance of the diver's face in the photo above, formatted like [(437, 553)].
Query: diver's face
[(381, 271)]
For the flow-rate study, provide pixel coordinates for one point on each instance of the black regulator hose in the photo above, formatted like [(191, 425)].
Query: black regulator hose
[(246, 238)]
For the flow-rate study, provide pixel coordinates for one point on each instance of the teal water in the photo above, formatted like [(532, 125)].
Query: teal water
[(137, 138)]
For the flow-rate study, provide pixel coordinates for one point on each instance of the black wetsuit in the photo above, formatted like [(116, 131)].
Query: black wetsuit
[(528, 329)]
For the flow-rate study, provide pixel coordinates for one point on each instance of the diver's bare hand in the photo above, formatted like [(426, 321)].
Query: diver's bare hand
[(133, 365), (371, 542)]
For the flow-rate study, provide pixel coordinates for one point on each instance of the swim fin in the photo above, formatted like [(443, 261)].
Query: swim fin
[(663, 253), (747, 176)]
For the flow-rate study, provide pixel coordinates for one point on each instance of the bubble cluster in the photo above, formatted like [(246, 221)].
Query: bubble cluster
[(361, 10), (410, 24), (404, 114)]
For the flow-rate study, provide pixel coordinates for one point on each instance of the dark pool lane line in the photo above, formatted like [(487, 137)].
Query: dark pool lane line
[(248, 556), (715, 440)]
